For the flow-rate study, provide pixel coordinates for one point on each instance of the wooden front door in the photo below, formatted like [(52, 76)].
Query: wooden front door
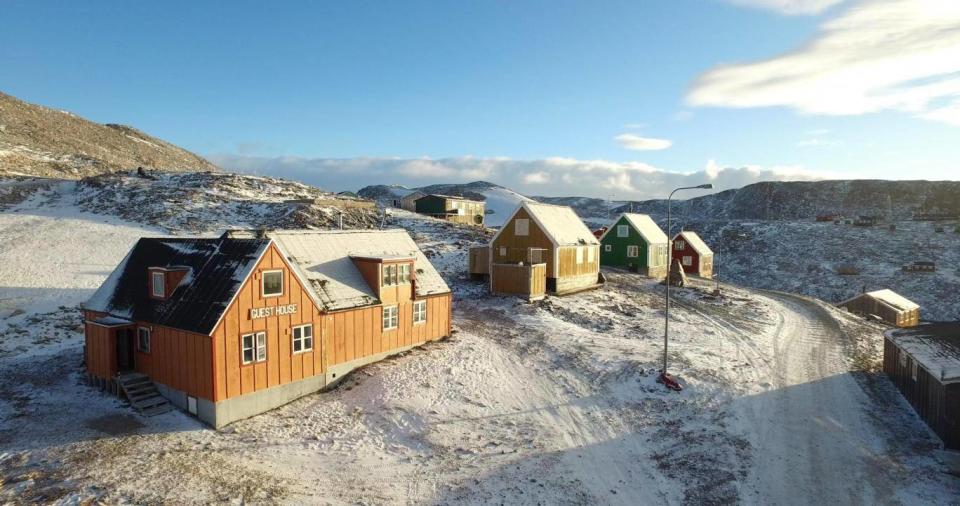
[(125, 350)]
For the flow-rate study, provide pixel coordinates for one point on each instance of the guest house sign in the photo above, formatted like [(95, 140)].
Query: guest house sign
[(264, 312)]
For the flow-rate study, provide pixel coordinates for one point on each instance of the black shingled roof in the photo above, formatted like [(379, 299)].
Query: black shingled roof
[(218, 268)]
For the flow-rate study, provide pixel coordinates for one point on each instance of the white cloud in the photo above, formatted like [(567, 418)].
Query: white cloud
[(790, 7), (539, 177), (877, 55), (637, 143), (556, 176)]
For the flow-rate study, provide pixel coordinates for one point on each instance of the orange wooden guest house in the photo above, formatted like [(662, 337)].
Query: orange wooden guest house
[(230, 327)]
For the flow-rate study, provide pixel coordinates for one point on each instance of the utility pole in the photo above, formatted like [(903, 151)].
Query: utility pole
[(664, 376)]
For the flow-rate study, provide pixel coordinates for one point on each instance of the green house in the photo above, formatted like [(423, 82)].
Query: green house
[(635, 242)]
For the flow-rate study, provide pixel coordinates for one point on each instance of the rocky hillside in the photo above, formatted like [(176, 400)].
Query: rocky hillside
[(206, 202), (894, 200), (39, 141)]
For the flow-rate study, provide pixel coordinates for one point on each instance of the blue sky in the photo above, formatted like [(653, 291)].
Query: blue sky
[(261, 87)]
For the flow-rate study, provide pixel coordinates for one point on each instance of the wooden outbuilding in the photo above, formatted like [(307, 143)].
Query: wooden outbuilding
[(454, 209), (409, 201), (635, 242), (924, 363), (544, 248), (230, 327), (694, 254), (886, 305)]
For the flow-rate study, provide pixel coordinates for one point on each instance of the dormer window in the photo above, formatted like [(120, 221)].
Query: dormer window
[(395, 274), (158, 284)]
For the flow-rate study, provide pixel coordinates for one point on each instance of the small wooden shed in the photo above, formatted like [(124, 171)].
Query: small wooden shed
[(886, 305), (924, 363), (694, 254)]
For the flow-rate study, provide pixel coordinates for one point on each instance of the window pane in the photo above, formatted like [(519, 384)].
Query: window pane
[(308, 343), (247, 356), (272, 283)]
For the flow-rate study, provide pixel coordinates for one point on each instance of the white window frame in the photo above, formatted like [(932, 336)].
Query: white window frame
[(263, 283), (521, 227), (403, 276), (679, 245), (391, 317), (687, 260), (633, 251), (304, 341), (579, 254), (141, 333), (162, 285), (607, 247), (590, 254), (623, 231), (419, 312), (257, 348)]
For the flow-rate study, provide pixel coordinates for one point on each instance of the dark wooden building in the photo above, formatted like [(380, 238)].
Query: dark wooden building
[(924, 363), (455, 209)]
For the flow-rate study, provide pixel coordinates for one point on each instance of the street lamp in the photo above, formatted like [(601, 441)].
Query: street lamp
[(664, 377)]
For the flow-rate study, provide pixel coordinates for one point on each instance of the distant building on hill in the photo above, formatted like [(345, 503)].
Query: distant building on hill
[(887, 305), (451, 208)]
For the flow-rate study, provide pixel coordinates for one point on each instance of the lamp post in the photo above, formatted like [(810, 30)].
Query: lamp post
[(664, 377)]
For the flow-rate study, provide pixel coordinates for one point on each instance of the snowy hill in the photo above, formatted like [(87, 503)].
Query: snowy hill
[(40, 141), (500, 201), (548, 403)]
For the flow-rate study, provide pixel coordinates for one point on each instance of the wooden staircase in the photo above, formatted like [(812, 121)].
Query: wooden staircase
[(143, 394)]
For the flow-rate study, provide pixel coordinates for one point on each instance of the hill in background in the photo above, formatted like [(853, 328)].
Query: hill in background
[(40, 141)]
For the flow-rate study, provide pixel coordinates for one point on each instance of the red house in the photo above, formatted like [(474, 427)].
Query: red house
[(694, 255)]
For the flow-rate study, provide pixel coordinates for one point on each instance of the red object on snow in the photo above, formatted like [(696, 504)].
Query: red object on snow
[(669, 382), (599, 232)]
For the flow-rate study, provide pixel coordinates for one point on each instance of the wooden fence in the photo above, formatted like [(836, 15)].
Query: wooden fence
[(520, 279), (479, 260)]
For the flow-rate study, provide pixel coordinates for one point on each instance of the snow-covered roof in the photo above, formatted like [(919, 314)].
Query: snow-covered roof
[(894, 299), (560, 223), (323, 261), (695, 242), (935, 346), (217, 269), (645, 226)]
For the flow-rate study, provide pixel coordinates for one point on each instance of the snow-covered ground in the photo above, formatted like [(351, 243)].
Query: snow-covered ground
[(547, 403)]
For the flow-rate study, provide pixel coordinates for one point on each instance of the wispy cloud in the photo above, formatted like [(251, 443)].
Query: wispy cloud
[(637, 143), (790, 7), (551, 176), (877, 55)]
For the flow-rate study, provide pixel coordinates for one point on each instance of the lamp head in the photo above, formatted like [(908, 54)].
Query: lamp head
[(706, 186)]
